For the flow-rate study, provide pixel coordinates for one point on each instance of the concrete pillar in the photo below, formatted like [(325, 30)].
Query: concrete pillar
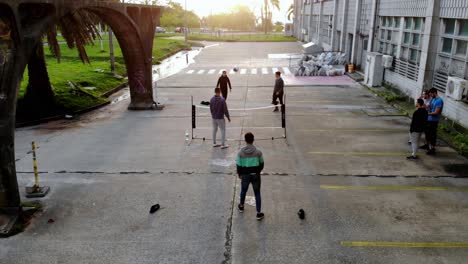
[(334, 37), (373, 25), (343, 26), (356, 39), (319, 23), (10, 68), (430, 43)]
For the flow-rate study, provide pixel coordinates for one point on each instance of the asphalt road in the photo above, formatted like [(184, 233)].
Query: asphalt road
[(343, 162)]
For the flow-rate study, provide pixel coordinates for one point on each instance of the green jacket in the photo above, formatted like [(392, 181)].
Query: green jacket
[(249, 160)]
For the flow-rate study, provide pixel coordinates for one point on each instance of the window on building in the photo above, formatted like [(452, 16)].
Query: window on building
[(389, 35), (397, 22), (449, 26), (408, 22), (461, 48), (452, 58), (447, 45), (406, 38), (418, 23), (413, 55), (463, 28), (416, 39)]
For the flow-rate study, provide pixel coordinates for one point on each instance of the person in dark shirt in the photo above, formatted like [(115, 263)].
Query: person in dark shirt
[(223, 83), (278, 91), (418, 126), (219, 109)]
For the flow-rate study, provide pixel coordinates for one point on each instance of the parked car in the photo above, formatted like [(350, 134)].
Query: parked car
[(160, 30), (181, 30)]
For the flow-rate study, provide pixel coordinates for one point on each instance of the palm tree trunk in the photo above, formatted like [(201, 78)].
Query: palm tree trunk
[(39, 97), (111, 49)]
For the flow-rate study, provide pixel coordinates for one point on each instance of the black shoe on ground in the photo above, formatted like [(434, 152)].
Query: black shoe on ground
[(409, 143), (412, 157), (241, 208), (260, 216), (276, 109), (424, 147), (431, 151)]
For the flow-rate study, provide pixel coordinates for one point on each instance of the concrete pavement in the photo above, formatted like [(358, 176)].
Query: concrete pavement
[(343, 162)]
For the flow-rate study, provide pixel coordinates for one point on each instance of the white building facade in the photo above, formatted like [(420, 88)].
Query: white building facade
[(428, 40)]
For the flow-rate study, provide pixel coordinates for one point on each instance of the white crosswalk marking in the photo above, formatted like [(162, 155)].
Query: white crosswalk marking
[(190, 72), (232, 71), (211, 71), (253, 71), (274, 70), (286, 71), (243, 71), (264, 71), (200, 71)]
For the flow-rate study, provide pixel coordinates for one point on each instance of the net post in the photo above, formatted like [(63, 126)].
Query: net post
[(193, 117), (283, 115)]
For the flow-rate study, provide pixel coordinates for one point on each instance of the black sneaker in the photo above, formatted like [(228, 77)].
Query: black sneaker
[(409, 143), (431, 151), (241, 208), (276, 109), (260, 216), (412, 157), (424, 147)]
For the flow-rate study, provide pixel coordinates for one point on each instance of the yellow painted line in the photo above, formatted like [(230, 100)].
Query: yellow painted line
[(394, 188), (360, 153), (354, 130), (405, 244)]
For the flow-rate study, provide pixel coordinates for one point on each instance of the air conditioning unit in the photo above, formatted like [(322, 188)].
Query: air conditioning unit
[(456, 88), (387, 61), (374, 69)]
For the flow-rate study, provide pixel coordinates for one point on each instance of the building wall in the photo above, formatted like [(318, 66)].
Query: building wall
[(428, 40), (408, 8)]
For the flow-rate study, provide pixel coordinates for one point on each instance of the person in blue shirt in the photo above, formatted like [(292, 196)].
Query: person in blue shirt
[(434, 115)]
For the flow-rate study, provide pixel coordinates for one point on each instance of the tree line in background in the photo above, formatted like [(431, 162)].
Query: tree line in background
[(240, 18)]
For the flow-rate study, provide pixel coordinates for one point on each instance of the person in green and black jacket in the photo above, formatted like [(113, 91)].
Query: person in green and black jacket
[(249, 166)]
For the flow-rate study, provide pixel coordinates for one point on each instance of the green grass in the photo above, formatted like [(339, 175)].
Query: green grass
[(72, 69), (243, 38)]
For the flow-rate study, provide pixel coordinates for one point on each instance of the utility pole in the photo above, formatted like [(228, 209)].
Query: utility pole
[(185, 18)]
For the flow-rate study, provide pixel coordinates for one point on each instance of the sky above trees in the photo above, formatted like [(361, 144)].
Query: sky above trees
[(204, 8)]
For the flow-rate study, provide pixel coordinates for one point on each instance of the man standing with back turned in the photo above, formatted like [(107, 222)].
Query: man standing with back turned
[(249, 166), (278, 91), (218, 108)]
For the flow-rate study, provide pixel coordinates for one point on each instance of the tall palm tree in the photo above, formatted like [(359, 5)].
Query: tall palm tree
[(268, 6), (290, 11), (78, 29)]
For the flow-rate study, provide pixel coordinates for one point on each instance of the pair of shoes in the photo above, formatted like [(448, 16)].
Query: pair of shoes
[(241, 208), (216, 145), (412, 157), (276, 109), (260, 216), (424, 146), (431, 151), (224, 146)]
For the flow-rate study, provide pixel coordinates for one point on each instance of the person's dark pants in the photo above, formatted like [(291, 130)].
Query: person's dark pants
[(276, 97), (224, 93), (256, 182), (431, 133)]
